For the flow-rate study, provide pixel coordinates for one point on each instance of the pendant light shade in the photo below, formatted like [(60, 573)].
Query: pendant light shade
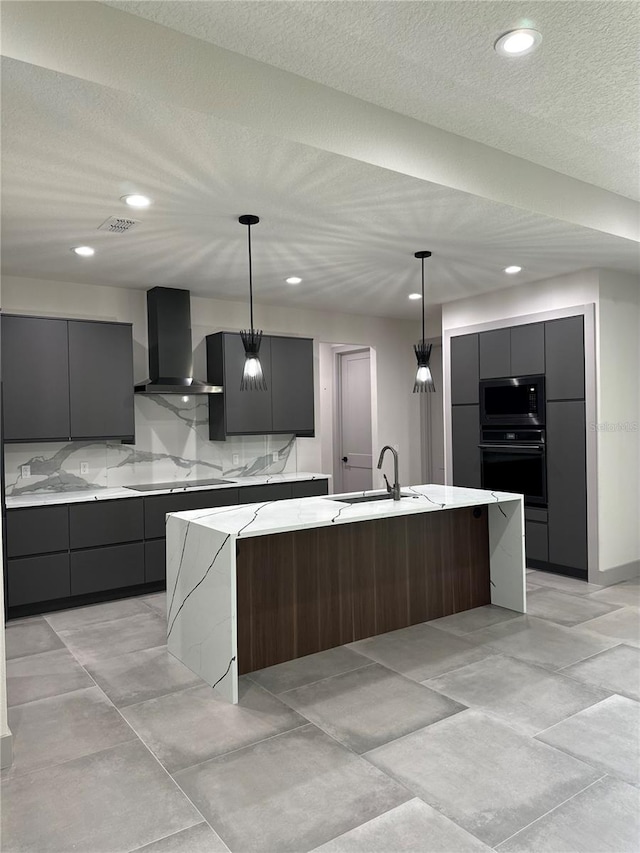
[(252, 375), (424, 379)]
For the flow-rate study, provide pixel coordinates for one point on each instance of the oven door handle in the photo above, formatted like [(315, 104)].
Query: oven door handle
[(515, 448)]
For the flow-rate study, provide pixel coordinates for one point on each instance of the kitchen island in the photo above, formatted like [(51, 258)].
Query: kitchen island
[(251, 586)]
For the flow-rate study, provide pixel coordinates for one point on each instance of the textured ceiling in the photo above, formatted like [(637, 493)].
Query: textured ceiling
[(573, 106), (71, 148)]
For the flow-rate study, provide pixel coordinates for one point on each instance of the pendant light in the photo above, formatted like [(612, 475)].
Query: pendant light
[(252, 375), (424, 379)]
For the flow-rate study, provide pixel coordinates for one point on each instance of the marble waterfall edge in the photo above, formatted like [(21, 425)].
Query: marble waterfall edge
[(201, 566), (172, 444)]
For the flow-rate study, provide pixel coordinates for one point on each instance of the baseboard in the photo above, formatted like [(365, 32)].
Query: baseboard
[(557, 569), (6, 750), (617, 574)]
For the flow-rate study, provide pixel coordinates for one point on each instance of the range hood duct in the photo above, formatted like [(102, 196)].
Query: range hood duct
[(170, 346)]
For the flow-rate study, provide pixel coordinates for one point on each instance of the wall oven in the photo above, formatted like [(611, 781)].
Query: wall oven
[(515, 402), (514, 460)]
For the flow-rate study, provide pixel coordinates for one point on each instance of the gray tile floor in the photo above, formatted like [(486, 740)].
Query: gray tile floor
[(477, 731)]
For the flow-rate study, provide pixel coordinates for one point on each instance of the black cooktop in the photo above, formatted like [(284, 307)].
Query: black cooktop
[(177, 484)]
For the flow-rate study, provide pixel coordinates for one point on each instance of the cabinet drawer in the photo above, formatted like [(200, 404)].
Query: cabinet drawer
[(155, 560), (37, 530), (536, 541), (157, 506), (269, 492), (309, 488), (532, 513), (33, 579), (107, 568), (105, 523)]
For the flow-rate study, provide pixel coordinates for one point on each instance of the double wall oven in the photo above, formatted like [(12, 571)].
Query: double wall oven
[(513, 437)]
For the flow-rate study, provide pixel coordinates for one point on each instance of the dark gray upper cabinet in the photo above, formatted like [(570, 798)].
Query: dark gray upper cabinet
[(495, 354), (101, 380), (292, 385), (465, 370), (465, 435), (35, 379), (287, 404), (236, 412), (564, 356), (66, 379), (567, 483), (527, 349)]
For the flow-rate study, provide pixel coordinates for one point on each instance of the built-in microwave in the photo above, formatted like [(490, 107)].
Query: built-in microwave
[(517, 401)]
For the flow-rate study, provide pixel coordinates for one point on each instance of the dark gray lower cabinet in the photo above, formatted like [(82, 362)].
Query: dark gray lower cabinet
[(109, 545), (465, 433), (309, 488), (37, 530), (113, 567), (156, 507), (155, 560), (536, 541), (267, 492), (42, 578), (105, 523), (567, 483)]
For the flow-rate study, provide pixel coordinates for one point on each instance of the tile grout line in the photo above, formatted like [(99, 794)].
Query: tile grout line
[(563, 803), (153, 756), (575, 714), (366, 665)]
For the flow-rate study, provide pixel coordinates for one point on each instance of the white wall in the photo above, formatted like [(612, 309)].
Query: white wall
[(618, 420), (392, 340)]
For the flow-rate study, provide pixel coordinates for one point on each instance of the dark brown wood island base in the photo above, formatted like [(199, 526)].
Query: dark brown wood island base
[(305, 591)]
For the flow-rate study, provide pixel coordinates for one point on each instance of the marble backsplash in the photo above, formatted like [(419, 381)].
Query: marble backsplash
[(172, 444)]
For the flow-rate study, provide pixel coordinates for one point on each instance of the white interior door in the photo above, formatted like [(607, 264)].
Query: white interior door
[(355, 452)]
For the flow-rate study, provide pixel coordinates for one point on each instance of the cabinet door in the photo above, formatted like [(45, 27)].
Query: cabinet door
[(107, 568), (267, 492), (527, 349), (155, 560), (536, 541), (157, 506), (101, 380), (309, 488), (246, 412), (567, 483), (465, 432), (564, 356), (37, 530), (292, 385), (33, 579), (465, 369), (35, 379), (495, 354), (105, 522)]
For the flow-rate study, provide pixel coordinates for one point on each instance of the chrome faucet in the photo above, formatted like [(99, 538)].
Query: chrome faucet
[(394, 490)]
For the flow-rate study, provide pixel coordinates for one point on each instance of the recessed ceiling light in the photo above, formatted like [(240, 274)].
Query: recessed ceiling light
[(294, 279), (84, 251), (518, 42), (136, 200), (512, 270), (415, 296)]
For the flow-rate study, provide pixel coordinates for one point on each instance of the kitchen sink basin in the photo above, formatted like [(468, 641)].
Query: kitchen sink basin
[(365, 499)]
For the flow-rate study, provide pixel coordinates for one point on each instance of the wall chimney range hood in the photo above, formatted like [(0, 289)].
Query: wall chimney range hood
[(170, 347)]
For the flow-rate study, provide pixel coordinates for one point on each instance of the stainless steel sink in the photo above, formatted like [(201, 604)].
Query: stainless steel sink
[(365, 499)]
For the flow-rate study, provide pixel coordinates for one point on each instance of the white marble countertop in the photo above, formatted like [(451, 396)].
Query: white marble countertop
[(51, 498), (262, 519)]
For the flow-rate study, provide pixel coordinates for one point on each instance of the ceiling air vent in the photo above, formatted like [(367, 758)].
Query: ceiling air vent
[(118, 224)]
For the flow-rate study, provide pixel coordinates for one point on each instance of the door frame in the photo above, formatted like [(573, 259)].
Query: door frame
[(337, 409)]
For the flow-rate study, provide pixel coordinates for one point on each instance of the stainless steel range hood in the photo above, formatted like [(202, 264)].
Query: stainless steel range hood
[(170, 347)]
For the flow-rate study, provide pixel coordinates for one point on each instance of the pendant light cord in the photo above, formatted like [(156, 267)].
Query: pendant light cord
[(251, 276), (423, 338)]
